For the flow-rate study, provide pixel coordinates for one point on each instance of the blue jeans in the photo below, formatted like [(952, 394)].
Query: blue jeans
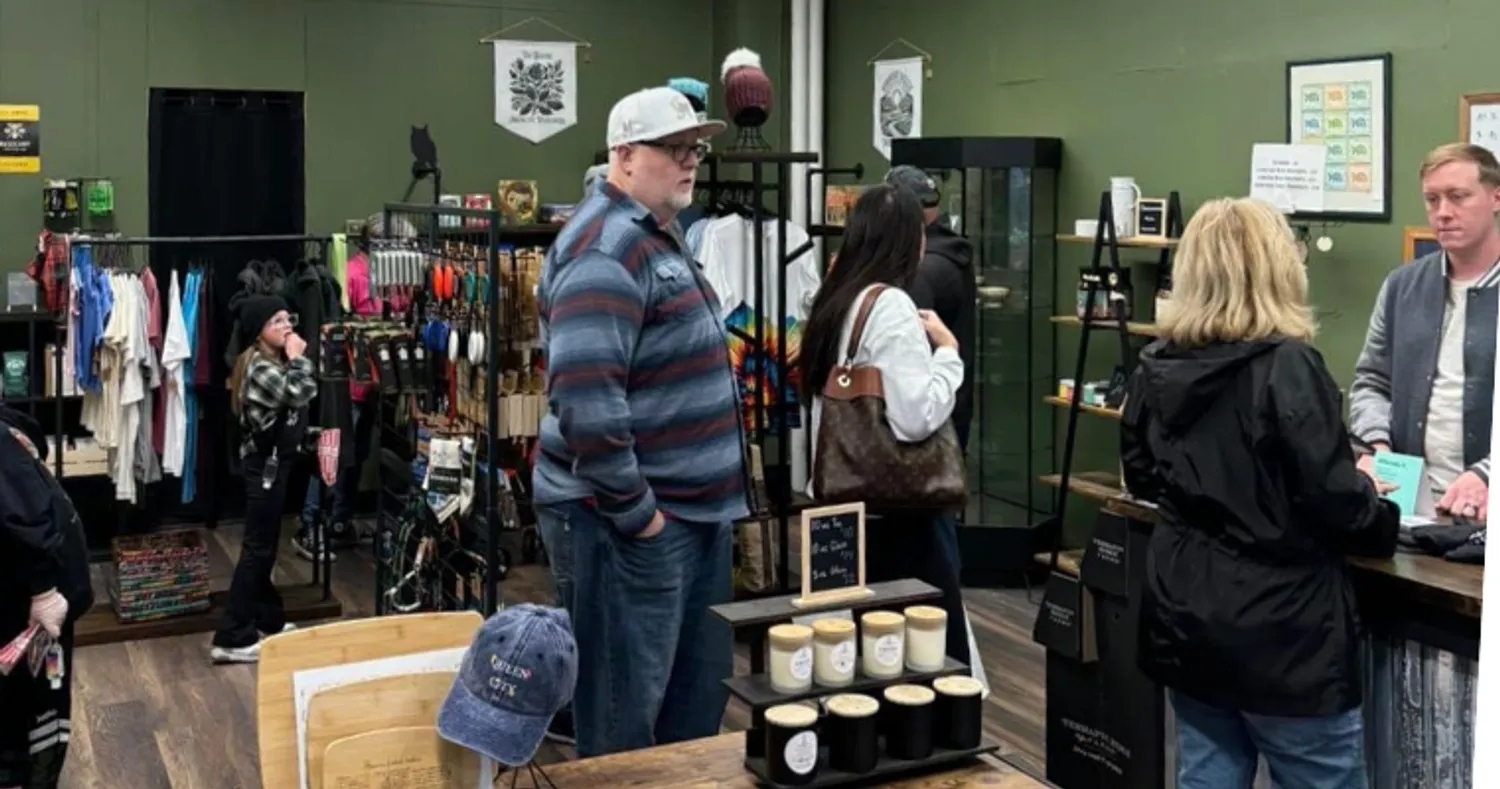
[(651, 658), (557, 537), (344, 488), (1217, 748)]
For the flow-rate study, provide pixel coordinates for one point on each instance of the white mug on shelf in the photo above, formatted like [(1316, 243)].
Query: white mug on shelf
[(1123, 194)]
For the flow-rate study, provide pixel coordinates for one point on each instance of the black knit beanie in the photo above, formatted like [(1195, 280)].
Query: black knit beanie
[(255, 313)]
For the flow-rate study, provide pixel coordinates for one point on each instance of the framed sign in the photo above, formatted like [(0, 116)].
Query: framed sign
[(1151, 218), (833, 554), (1479, 120), (20, 139), (1344, 106), (1417, 241)]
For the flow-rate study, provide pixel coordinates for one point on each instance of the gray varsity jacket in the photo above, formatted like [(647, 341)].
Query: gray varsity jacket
[(1393, 378)]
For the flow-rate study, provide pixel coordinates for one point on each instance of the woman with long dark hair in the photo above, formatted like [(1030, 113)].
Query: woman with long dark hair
[(269, 390), (920, 372)]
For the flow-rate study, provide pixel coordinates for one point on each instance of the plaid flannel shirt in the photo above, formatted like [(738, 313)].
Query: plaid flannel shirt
[(270, 387)]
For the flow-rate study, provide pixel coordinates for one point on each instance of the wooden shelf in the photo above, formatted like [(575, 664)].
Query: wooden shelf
[(756, 691), (886, 768), (774, 610), (1138, 329), (1133, 242), (1107, 413), (1104, 488)]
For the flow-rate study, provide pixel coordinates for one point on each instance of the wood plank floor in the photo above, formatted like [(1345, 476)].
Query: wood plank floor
[(157, 715)]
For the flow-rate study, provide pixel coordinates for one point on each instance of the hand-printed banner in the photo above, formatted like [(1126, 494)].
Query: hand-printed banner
[(536, 87)]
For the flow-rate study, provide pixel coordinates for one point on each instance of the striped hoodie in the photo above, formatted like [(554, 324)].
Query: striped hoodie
[(642, 410)]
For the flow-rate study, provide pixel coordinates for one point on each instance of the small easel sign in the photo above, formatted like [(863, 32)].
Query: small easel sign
[(833, 555)]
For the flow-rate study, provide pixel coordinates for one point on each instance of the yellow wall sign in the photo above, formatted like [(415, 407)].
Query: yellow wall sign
[(20, 138)]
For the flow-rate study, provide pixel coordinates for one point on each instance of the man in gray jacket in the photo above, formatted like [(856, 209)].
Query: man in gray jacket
[(1425, 378)]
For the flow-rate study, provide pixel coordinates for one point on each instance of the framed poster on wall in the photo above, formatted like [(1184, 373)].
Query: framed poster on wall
[(1344, 106), (1479, 120), (1417, 241)]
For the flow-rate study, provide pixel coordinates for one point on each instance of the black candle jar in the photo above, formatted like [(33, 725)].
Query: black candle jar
[(908, 717), (850, 732), (958, 712), (792, 744)]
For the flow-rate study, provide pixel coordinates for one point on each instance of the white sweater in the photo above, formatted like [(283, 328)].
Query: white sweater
[(920, 382)]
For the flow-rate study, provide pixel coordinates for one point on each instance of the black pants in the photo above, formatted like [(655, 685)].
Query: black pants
[(254, 604), (36, 724), (921, 545)]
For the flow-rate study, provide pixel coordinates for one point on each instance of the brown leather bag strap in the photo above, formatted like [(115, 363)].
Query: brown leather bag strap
[(865, 308)]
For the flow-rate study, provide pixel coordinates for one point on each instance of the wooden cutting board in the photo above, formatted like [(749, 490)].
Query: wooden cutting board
[(362, 707), (409, 757)]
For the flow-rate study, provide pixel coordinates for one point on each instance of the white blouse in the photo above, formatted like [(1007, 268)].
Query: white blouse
[(920, 382)]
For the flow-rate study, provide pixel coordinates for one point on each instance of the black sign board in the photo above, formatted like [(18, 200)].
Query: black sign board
[(1065, 621), (833, 554), (1151, 217)]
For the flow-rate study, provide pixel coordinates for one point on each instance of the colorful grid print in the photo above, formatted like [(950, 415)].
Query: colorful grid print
[(1338, 116)]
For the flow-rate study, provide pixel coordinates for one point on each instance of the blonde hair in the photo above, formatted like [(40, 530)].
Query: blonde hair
[(1489, 168), (1237, 276)]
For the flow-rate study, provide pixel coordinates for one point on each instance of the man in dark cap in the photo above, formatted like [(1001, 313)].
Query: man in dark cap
[(945, 283)]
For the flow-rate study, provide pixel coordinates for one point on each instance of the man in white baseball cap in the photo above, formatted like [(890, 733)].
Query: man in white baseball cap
[(639, 469)]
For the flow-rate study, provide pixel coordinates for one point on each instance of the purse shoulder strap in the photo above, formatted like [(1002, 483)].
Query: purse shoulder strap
[(860, 319)]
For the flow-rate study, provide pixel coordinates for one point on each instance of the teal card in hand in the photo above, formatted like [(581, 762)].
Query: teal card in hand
[(1405, 472)]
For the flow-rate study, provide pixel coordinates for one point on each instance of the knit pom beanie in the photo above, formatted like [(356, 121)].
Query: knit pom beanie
[(696, 91), (747, 89)]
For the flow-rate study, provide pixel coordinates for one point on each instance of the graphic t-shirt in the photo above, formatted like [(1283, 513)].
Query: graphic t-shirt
[(728, 258)]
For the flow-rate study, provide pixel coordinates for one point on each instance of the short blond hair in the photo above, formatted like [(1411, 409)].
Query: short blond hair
[(1489, 168), (1237, 276)]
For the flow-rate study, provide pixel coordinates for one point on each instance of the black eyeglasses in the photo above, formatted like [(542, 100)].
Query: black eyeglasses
[(681, 153)]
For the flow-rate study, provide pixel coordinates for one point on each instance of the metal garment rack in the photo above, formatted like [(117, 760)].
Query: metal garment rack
[(490, 235), (322, 571)]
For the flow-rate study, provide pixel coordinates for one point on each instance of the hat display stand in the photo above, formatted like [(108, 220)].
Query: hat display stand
[(749, 138), (538, 776)]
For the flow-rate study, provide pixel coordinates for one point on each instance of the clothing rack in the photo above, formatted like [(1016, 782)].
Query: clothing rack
[(212, 420), (479, 228)]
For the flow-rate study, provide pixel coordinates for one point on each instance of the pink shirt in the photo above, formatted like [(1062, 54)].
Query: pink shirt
[(361, 302)]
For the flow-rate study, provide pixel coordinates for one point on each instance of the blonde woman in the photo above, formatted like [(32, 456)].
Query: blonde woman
[(1232, 425)]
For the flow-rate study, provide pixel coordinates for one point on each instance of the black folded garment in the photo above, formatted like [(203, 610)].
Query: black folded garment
[(1472, 550), (1438, 540)]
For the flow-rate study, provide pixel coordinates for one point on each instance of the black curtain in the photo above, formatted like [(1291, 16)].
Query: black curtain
[(222, 163)]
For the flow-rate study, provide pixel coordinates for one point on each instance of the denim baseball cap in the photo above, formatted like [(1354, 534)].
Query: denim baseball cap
[(518, 672)]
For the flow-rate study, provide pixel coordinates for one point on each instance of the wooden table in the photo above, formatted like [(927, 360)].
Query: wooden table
[(717, 763)]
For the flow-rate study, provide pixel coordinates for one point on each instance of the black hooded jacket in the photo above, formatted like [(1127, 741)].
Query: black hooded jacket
[(41, 538), (1248, 603), (945, 285)]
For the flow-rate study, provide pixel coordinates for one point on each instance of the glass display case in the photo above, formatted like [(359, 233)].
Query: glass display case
[(1001, 193)]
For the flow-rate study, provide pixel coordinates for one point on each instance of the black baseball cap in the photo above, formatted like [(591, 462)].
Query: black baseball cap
[(919, 182)]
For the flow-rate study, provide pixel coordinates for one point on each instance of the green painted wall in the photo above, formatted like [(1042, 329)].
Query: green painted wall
[(1173, 93), (370, 69)]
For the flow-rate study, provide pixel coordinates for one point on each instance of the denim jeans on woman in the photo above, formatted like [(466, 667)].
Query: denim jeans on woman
[(1218, 748), (651, 657)]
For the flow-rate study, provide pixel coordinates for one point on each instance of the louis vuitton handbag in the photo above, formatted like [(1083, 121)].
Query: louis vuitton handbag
[(858, 456)]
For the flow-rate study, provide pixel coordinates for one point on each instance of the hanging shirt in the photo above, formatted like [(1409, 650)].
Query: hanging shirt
[(338, 261), (191, 297), (174, 354), (728, 260)]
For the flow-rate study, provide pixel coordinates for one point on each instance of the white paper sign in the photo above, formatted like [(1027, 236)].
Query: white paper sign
[(897, 103), (1289, 177), (536, 87), (1484, 126)]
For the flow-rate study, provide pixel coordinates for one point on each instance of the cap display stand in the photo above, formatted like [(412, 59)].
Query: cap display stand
[(754, 619)]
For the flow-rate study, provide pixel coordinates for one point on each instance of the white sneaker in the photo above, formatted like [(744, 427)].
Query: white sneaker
[(250, 654), (286, 628)]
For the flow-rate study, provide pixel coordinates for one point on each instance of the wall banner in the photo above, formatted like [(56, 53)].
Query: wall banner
[(536, 87), (20, 139), (897, 103)]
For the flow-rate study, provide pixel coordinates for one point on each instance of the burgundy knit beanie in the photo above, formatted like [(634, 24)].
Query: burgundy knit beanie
[(747, 89)]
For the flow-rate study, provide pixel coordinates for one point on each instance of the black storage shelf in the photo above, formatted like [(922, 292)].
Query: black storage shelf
[(756, 691), (886, 768)]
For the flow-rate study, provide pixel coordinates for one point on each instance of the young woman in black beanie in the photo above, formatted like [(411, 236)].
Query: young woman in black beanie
[(269, 390), (44, 583)]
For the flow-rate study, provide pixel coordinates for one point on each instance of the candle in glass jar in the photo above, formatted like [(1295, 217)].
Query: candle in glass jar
[(926, 638), (791, 658), (881, 642), (833, 652)]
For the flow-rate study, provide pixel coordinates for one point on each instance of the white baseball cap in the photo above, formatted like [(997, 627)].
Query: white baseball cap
[(654, 113)]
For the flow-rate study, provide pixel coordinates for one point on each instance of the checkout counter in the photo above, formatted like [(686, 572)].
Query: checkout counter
[(1421, 665)]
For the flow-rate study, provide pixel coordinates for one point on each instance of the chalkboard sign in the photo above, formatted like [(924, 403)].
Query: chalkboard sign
[(833, 554)]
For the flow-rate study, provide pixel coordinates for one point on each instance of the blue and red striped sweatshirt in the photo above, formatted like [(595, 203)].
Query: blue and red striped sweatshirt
[(642, 409)]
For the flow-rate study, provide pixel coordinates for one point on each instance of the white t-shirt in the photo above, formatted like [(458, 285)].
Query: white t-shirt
[(174, 353), (920, 382)]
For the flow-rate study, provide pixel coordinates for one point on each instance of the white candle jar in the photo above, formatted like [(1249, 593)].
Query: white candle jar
[(834, 652), (882, 644), (791, 658), (926, 638)]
